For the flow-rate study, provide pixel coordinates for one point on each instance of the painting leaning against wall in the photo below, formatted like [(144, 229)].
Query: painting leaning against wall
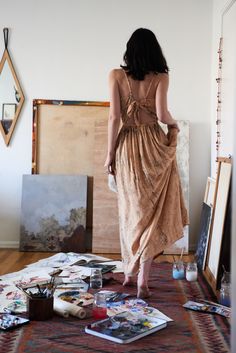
[(53, 213)]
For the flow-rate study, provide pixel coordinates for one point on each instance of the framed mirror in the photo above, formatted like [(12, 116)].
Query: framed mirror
[(11, 97)]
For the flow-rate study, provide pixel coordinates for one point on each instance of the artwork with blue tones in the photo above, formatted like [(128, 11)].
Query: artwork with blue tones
[(205, 222), (53, 213)]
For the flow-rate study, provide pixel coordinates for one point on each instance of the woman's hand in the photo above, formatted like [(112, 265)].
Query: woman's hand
[(174, 126), (109, 164)]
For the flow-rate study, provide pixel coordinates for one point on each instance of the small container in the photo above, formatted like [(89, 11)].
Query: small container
[(99, 306), (225, 296), (191, 271), (225, 280), (40, 309), (96, 278), (225, 289), (178, 270)]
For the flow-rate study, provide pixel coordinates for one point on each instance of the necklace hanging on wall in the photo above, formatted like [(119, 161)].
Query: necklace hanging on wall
[(219, 101), (11, 94)]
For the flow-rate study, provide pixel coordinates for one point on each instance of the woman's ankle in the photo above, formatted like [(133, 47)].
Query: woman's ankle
[(143, 292), (129, 281)]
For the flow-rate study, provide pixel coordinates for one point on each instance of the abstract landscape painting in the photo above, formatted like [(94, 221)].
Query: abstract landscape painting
[(53, 213)]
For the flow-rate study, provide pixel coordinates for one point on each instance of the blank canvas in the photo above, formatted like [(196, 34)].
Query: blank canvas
[(219, 217)]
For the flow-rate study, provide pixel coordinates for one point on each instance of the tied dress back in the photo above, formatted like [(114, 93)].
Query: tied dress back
[(150, 202)]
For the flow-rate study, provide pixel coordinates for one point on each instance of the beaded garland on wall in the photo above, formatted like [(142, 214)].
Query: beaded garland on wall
[(219, 101)]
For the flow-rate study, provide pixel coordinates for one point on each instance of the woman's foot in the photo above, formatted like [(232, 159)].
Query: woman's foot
[(129, 281), (143, 292), (143, 277)]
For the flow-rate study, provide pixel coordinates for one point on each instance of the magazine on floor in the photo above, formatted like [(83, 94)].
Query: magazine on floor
[(136, 306), (9, 322), (212, 308), (125, 327)]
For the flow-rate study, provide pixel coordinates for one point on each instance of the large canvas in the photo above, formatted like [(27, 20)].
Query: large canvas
[(53, 212)]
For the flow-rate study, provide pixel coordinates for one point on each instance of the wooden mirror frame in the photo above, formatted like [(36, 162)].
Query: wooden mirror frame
[(212, 280), (7, 136)]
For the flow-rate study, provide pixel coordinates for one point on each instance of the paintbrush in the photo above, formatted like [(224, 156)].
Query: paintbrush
[(24, 291), (213, 303), (181, 256), (224, 270)]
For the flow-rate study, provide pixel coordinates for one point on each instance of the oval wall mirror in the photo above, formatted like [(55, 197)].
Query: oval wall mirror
[(11, 94)]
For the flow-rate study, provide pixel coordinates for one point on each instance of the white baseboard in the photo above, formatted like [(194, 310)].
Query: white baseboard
[(9, 244)]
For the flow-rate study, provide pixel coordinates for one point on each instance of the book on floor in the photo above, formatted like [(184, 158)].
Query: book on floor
[(125, 327)]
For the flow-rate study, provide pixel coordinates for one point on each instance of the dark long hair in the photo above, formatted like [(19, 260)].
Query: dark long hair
[(143, 55)]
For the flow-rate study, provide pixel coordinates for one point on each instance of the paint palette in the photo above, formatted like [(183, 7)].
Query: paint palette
[(76, 297)]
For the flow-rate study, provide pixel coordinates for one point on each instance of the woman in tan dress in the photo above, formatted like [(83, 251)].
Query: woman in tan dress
[(143, 158)]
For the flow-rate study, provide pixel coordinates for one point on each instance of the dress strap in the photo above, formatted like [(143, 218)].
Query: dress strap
[(149, 87), (126, 76)]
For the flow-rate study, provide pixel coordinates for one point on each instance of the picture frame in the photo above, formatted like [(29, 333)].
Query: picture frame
[(210, 191), (218, 219), (8, 111), (8, 116), (7, 125)]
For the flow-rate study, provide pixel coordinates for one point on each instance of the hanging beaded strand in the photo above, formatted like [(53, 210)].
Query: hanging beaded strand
[(219, 101)]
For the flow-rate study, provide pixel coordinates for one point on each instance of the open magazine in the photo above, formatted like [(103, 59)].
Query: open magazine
[(208, 307), (89, 258), (8, 321), (65, 259), (125, 327)]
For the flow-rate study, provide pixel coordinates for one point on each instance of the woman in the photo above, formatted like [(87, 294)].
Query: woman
[(143, 158)]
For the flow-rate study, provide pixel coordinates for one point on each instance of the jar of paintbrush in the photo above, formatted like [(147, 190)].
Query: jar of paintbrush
[(40, 300), (178, 271)]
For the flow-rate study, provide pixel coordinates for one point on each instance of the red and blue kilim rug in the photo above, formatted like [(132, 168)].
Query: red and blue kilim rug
[(190, 332)]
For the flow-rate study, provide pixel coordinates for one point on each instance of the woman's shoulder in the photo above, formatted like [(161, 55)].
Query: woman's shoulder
[(115, 73), (163, 76)]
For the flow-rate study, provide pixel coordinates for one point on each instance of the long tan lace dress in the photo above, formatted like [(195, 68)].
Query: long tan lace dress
[(151, 207)]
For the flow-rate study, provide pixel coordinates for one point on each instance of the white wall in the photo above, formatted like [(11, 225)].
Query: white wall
[(64, 50), (224, 24)]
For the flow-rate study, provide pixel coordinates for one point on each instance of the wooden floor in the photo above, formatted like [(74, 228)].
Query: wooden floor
[(12, 260)]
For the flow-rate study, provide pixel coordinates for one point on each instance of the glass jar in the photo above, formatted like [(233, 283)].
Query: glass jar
[(225, 280), (225, 296), (225, 289), (96, 278), (99, 306), (191, 271), (178, 270)]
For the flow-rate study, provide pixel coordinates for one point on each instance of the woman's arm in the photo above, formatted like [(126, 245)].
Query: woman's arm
[(161, 102), (113, 121)]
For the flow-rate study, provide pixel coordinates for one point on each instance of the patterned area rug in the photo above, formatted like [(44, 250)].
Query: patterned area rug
[(190, 332)]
